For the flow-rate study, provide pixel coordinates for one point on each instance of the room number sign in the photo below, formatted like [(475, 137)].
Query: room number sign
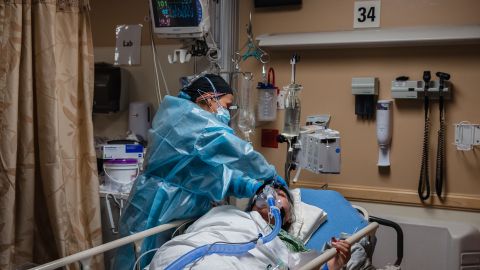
[(366, 14)]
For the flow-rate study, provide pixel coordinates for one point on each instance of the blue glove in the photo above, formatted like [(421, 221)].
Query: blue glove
[(257, 185), (277, 179), (280, 180)]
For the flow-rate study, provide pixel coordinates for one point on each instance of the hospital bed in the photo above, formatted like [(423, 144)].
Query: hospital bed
[(343, 219)]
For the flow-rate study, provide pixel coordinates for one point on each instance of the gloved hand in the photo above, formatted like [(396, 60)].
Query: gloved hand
[(279, 180), (257, 185), (276, 179), (243, 188)]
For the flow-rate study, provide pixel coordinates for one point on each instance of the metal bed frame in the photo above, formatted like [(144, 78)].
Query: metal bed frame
[(84, 257)]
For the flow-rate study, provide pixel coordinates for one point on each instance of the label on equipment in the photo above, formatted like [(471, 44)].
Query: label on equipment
[(122, 151), (366, 14)]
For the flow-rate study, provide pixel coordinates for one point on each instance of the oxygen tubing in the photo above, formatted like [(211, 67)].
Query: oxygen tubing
[(230, 248)]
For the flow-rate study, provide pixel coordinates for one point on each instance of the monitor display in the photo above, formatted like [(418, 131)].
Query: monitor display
[(176, 13), (276, 3), (172, 17)]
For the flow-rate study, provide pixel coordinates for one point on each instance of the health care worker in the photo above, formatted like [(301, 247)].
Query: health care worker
[(193, 159)]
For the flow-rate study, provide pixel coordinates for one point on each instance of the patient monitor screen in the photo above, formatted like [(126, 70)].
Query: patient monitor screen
[(176, 13)]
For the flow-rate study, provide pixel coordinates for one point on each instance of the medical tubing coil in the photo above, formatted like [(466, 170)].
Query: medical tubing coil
[(230, 248), (424, 179), (440, 164)]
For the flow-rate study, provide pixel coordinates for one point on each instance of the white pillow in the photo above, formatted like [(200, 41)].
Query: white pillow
[(307, 217)]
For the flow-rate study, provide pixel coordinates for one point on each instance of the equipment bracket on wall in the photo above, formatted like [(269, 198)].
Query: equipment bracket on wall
[(415, 89), (466, 136)]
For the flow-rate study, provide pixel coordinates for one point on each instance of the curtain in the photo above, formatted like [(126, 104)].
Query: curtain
[(49, 204)]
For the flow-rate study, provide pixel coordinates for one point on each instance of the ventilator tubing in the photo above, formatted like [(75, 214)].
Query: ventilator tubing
[(230, 248)]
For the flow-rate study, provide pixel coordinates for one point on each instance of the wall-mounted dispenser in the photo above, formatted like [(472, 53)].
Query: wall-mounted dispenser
[(384, 131), (110, 89), (139, 119), (365, 90)]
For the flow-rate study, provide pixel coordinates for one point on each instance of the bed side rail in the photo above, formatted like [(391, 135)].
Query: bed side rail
[(85, 256), (331, 252), (398, 229)]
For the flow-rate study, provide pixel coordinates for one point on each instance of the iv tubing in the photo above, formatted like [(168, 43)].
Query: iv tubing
[(230, 248), (156, 62), (158, 93), (297, 174)]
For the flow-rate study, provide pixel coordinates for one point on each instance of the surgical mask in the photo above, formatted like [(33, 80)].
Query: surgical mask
[(223, 115)]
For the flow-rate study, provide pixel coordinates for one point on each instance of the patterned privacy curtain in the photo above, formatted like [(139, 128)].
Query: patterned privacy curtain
[(49, 204)]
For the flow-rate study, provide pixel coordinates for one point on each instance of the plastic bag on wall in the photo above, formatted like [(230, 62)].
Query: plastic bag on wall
[(128, 42)]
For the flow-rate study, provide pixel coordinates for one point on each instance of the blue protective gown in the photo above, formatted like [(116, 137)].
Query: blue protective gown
[(193, 159)]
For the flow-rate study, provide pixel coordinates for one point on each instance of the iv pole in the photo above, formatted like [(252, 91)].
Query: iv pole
[(291, 140)]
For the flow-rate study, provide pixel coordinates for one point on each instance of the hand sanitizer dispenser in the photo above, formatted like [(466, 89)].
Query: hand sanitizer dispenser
[(384, 131)]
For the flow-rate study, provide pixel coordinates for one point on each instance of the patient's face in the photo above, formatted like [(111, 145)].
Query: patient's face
[(263, 211)]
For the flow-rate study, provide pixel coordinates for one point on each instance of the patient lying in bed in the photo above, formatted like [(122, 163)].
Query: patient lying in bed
[(230, 224)]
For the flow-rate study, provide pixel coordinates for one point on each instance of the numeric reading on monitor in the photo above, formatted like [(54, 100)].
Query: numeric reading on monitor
[(179, 13)]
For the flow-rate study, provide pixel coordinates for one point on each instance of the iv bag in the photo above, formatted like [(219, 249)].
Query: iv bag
[(246, 116), (291, 125)]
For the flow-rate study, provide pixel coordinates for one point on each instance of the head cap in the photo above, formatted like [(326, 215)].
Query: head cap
[(207, 86)]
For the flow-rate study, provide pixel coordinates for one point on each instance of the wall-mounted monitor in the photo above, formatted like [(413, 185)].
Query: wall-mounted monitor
[(180, 18), (277, 3)]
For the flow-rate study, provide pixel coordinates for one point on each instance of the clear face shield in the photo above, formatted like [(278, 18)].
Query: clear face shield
[(222, 113)]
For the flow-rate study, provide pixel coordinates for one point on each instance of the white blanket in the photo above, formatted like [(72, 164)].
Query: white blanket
[(228, 224), (308, 218)]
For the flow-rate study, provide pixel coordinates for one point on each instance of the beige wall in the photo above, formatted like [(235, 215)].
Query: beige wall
[(107, 14), (141, 85), (326, 77)]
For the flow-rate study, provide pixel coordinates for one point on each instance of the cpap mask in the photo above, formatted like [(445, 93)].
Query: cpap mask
[(261, 199)]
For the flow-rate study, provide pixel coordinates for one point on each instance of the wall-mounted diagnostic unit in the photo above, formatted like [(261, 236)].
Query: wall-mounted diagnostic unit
[(180, 19), (406, 89)]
